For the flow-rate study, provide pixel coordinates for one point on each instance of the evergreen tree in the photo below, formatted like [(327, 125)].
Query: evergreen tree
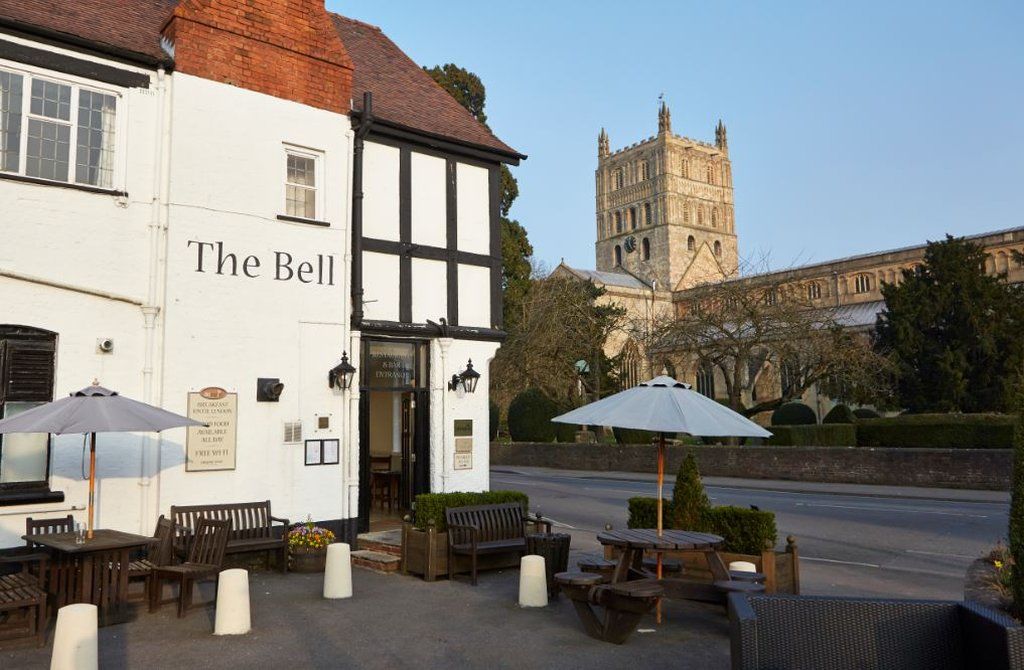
[(1016, 530), (952, 331), (689, 500)]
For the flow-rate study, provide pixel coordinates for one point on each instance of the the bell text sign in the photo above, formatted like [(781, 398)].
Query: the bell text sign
[(212, 447)]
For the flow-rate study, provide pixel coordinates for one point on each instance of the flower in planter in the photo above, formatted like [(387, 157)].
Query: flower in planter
[(306, 535)]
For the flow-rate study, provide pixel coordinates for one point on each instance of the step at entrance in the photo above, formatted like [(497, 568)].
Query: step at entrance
[(385, 542), (377, 561)]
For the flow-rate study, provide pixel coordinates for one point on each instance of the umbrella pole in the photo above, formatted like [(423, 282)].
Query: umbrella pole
[(661, 483), (92, 479)]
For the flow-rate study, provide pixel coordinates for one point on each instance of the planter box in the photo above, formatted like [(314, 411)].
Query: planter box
[(780, 568), (425, 552)]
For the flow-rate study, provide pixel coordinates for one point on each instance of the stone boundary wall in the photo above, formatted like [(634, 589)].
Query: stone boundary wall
[(943, 468)]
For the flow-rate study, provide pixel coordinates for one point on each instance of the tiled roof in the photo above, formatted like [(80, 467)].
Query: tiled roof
[(132, 26), (858, 315), (403, 93), (608, 278)]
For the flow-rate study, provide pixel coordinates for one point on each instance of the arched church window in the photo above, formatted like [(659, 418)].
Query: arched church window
[(645, 170), (632, 218), (718, 248), (714, 217), (686, 212), (645, 249), (629, 365), (647, 213), (862, 283), (618, 178), (813, 291), (686, 169), (711, 173), (691, 243), (618, 222), (706, 379), (618, 255), (700, 215)]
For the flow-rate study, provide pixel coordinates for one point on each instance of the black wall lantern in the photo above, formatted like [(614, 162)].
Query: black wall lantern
[(268, 389), (342, 374), (467, 379)]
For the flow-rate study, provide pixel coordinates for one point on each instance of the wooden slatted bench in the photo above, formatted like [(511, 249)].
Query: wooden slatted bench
[(252, 528), (24, 591), (486, 529)]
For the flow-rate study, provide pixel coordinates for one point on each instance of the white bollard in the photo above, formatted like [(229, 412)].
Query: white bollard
[(232, 616), (742, 566), (75, 642), (338, 573), (533, 582)]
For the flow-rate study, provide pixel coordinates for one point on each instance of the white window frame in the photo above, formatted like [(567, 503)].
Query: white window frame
[(319, 180), (77, 84)]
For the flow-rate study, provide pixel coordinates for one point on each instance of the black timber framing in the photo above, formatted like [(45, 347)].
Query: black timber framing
[(405, 235), (78, 67)]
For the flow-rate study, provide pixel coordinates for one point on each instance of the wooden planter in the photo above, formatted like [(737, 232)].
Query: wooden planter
[(780, 568), (304, 559), (425, 552)]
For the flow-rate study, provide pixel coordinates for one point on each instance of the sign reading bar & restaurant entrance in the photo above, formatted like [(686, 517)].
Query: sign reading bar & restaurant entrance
[(212, 447)]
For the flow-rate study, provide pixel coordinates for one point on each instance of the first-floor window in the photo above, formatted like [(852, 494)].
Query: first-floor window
[(49, 126), (706, 379), (26, 381), (300, 185)]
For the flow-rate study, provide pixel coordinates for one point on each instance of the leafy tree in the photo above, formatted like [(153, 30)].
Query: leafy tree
[(1016, 530), (516, 250), (689, 500), (952, 331)]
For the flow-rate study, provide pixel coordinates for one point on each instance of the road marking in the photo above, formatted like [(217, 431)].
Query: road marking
[(939, 553), (893, 568), (832, 560), (892, 509)]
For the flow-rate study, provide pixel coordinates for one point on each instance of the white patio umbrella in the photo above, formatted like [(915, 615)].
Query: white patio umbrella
[(93, 410), (664, 405)]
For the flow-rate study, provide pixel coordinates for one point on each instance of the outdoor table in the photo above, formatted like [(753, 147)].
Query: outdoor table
[(95, 571), (634, 542)]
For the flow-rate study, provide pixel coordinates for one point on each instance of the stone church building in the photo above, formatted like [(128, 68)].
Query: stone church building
[(666, 225)]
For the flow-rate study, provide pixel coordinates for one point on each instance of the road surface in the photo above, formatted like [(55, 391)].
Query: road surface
[(850, 544)]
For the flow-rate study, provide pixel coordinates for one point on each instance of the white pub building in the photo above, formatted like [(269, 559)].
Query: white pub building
[(205, 207)]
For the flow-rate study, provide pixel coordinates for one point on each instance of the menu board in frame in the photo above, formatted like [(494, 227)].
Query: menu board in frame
[(212, 447)]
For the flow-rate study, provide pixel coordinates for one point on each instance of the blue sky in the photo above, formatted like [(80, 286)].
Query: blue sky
[(853, 127)]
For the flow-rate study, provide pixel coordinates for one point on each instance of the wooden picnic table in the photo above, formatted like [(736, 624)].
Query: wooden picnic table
[(633, 542), (95, 571)]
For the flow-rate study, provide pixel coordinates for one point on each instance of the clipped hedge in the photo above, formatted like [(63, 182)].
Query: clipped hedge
[(794, 414), (839, 414), (938, 431), (529, 419), (631, 436), (825, 435), (431, 506), (866, 413), (745, 531), (493, 417)]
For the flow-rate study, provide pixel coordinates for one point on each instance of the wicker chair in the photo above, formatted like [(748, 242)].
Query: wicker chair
[(824, 633), (204, 562)]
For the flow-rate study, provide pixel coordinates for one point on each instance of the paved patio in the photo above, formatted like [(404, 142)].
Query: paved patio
[(396, 621)]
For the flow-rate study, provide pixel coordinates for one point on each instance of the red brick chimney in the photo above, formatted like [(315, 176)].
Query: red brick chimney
[(285, 48)]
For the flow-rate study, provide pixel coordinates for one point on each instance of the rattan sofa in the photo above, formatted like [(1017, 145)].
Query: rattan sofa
[(824, 633)]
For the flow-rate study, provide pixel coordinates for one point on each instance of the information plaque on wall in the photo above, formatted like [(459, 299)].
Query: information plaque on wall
[(212, 447), (463, 444)]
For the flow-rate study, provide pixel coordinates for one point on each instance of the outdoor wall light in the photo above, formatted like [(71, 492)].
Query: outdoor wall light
[(268, 389), (467, 379), (341, 375)]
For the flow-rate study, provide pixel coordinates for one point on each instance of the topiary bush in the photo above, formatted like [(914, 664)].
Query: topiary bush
[(794, 414), (866, 413), (431, 506), (529, 419), (839, 414), (493, 417), (643, 512), (939, 431), (689, 500), (830, 435), (746, 531)]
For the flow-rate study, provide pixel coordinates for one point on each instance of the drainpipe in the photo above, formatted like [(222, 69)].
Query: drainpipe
[(444, 343), (152, 307), (350, 436), (362, 130)]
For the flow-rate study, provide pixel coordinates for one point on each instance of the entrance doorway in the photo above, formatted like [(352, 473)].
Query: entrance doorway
[(394, 436)]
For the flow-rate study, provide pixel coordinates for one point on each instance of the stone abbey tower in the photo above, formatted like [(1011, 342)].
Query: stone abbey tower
[(665, 208)]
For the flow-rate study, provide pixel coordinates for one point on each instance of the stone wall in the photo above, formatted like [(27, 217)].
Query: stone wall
[(946, 468)]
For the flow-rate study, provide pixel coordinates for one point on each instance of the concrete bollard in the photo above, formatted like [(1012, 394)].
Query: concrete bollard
[(742, 566), (533, 584), (75, 642), (232, 616), (338, 573)]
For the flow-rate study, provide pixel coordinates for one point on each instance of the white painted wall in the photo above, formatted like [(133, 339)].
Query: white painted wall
[(473, 206), (474, 296), (429, 290), (429, 200), (380, 286), (380, 191)]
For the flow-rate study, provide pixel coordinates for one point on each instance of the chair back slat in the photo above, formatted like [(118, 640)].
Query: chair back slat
[(210, 541), (48, 526), (162, 552)]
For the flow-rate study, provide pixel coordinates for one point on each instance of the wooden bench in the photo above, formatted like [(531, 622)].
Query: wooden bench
[(24, 591), (624, 603), (486, 529), (252, 528)]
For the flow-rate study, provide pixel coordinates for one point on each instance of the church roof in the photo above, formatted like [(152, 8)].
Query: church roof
[(858, 315), (607, 278)]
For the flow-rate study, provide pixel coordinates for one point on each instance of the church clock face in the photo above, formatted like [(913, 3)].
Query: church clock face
[(630, 244)]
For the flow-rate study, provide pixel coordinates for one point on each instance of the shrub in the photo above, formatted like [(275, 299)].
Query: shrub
[(794, 414), (839, 414), (689, 501), (632, 436), (746, 531), (431, 506), (493, 417), (941, 431), (1016, 530), (529, 419), (866, 413), (825, 435), (643, 512)]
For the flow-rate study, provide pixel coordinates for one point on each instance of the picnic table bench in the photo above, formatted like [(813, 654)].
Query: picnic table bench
[(252, 528), (486, 529), (624, 603)]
